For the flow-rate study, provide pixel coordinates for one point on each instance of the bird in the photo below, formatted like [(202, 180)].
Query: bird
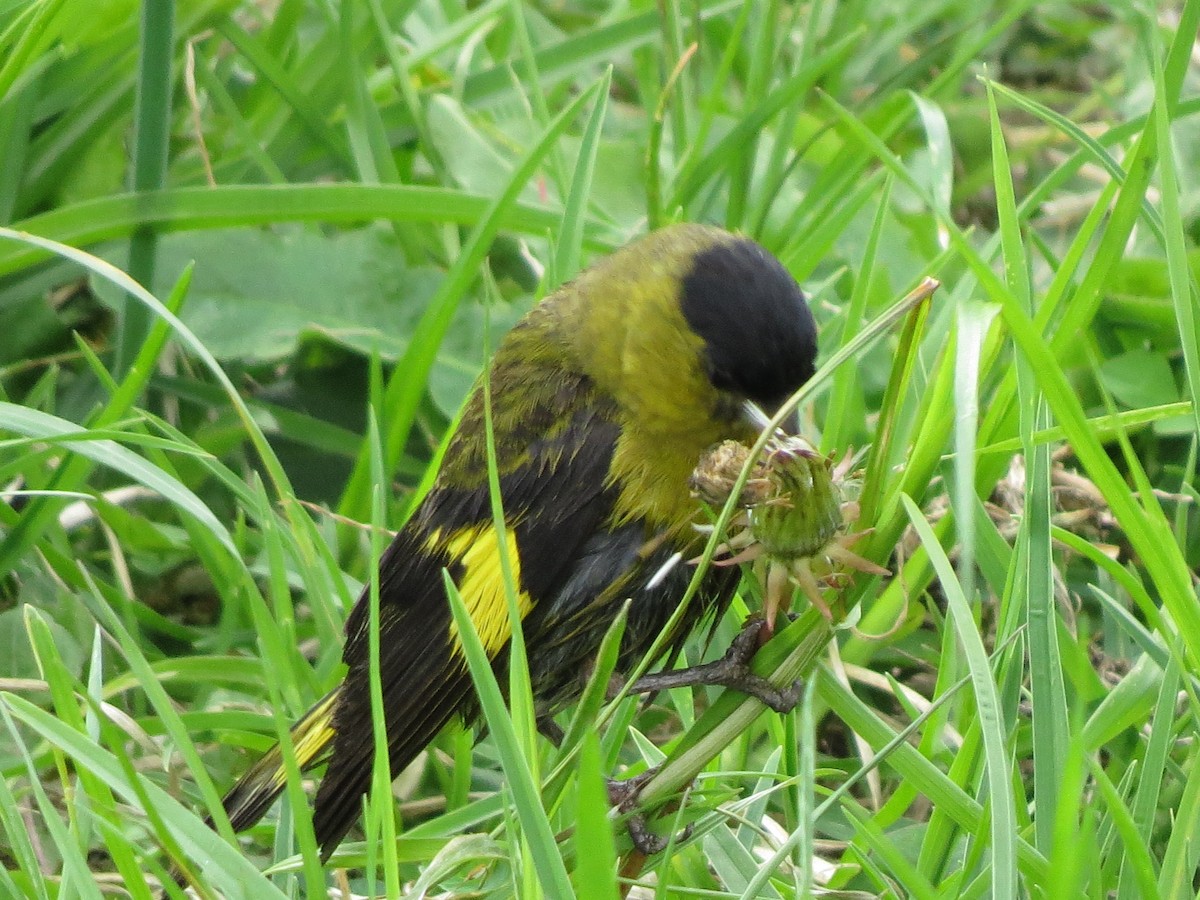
[(603, 398)]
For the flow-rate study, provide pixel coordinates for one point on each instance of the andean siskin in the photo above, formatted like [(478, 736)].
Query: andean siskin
[(604, 398)]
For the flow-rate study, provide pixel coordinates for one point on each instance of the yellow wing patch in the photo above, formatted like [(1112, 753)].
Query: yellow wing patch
[(310, 736), (314, 732), (477, 550)]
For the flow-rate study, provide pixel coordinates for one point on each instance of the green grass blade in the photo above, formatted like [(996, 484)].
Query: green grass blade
[(1153, 773), (229, 872), (569, 244), (152, 128), (1184, 293), (519, 779), (183, 209), (36, 424), (1003, 828), (595, 850), (407, 384), (1036, 594)]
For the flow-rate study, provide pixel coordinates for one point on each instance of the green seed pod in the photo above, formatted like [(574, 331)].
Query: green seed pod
[(804, 512)]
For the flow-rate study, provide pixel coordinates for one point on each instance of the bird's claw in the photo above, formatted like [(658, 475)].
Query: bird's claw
[(624, 795), (731, 671), (646, 841), (735, 671)]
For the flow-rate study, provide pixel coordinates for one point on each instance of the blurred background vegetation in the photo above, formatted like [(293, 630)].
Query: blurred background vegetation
[(346, 203)]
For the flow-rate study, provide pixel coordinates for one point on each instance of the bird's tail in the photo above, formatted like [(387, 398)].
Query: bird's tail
[(256, 790)]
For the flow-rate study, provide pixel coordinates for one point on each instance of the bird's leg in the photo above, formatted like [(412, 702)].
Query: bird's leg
[(732, 671), (550, 730), (623, 795)]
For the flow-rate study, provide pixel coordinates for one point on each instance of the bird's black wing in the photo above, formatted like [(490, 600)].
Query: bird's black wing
[(554, 463)]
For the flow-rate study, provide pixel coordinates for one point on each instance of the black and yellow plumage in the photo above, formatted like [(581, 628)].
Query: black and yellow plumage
[(604, 397)]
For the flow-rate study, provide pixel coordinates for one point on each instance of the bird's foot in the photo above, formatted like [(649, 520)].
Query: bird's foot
[(731, 671), (624, 796)]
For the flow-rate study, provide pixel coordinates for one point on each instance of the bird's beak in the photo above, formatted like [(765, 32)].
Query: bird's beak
[(759, 418)]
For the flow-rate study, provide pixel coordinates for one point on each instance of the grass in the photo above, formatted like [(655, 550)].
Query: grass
[(1010, 713)]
